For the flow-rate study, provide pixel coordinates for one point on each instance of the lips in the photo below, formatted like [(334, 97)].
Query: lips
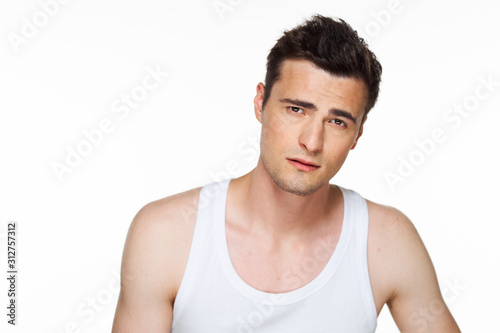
[(303, 162), (303, 165)]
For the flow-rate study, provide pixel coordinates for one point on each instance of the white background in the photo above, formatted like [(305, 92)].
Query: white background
[(198, 123)]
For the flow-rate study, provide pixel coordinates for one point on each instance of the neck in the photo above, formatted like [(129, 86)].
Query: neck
[(268, 208)]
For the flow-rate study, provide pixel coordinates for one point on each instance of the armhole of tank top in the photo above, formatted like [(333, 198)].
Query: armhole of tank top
[(195, 251), (362, 219)]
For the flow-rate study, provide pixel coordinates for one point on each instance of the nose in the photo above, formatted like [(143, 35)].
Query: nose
[(312, 136)]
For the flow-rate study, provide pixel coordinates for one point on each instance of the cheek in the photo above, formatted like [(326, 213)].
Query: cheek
[(338, 151), (275, 130), (277, 122), (269, 141)]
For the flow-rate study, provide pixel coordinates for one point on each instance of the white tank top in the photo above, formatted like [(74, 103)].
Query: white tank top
[(213, 298)]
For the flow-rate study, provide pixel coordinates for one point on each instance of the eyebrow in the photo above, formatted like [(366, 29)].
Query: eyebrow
[(311, 106)]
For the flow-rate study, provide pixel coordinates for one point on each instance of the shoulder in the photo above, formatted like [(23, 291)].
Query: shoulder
[(154, 259), (389, 221), (402, 273), (392, 236), (158, 243), (396, 253), (175, 211)]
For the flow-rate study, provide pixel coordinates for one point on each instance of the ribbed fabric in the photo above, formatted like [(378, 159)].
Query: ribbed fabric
[(213, 298)]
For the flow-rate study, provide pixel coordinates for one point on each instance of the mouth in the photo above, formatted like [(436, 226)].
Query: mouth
[(303, 164)]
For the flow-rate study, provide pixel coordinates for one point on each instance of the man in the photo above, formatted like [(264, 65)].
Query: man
[(280, 249)]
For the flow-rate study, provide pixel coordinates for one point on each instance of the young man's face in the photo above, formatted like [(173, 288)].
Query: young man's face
[(312, 116)]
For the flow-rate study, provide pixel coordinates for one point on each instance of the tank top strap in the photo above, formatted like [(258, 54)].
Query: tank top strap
[(358, 210), (202, 241)]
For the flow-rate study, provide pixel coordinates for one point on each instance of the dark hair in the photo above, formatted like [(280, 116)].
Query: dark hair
[(332, 46)]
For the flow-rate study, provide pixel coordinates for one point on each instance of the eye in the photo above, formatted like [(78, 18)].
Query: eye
[(295, 109), (339, 122)]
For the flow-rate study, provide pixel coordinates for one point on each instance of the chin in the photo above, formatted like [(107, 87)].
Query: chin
[(300, 188), (302, 193)]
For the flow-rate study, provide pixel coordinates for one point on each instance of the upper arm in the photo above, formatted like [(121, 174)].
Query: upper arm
[(416, 303), (153, 262)]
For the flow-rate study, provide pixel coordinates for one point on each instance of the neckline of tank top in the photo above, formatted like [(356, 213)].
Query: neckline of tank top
[(277, 299)]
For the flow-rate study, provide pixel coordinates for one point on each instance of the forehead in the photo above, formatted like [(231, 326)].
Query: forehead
[(301, 79)]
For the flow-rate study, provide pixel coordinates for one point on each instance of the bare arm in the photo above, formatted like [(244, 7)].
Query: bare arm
[(416, 303), (154, 259)]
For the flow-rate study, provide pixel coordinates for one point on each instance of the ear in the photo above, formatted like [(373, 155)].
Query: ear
[(359, 134), (258, 100)]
